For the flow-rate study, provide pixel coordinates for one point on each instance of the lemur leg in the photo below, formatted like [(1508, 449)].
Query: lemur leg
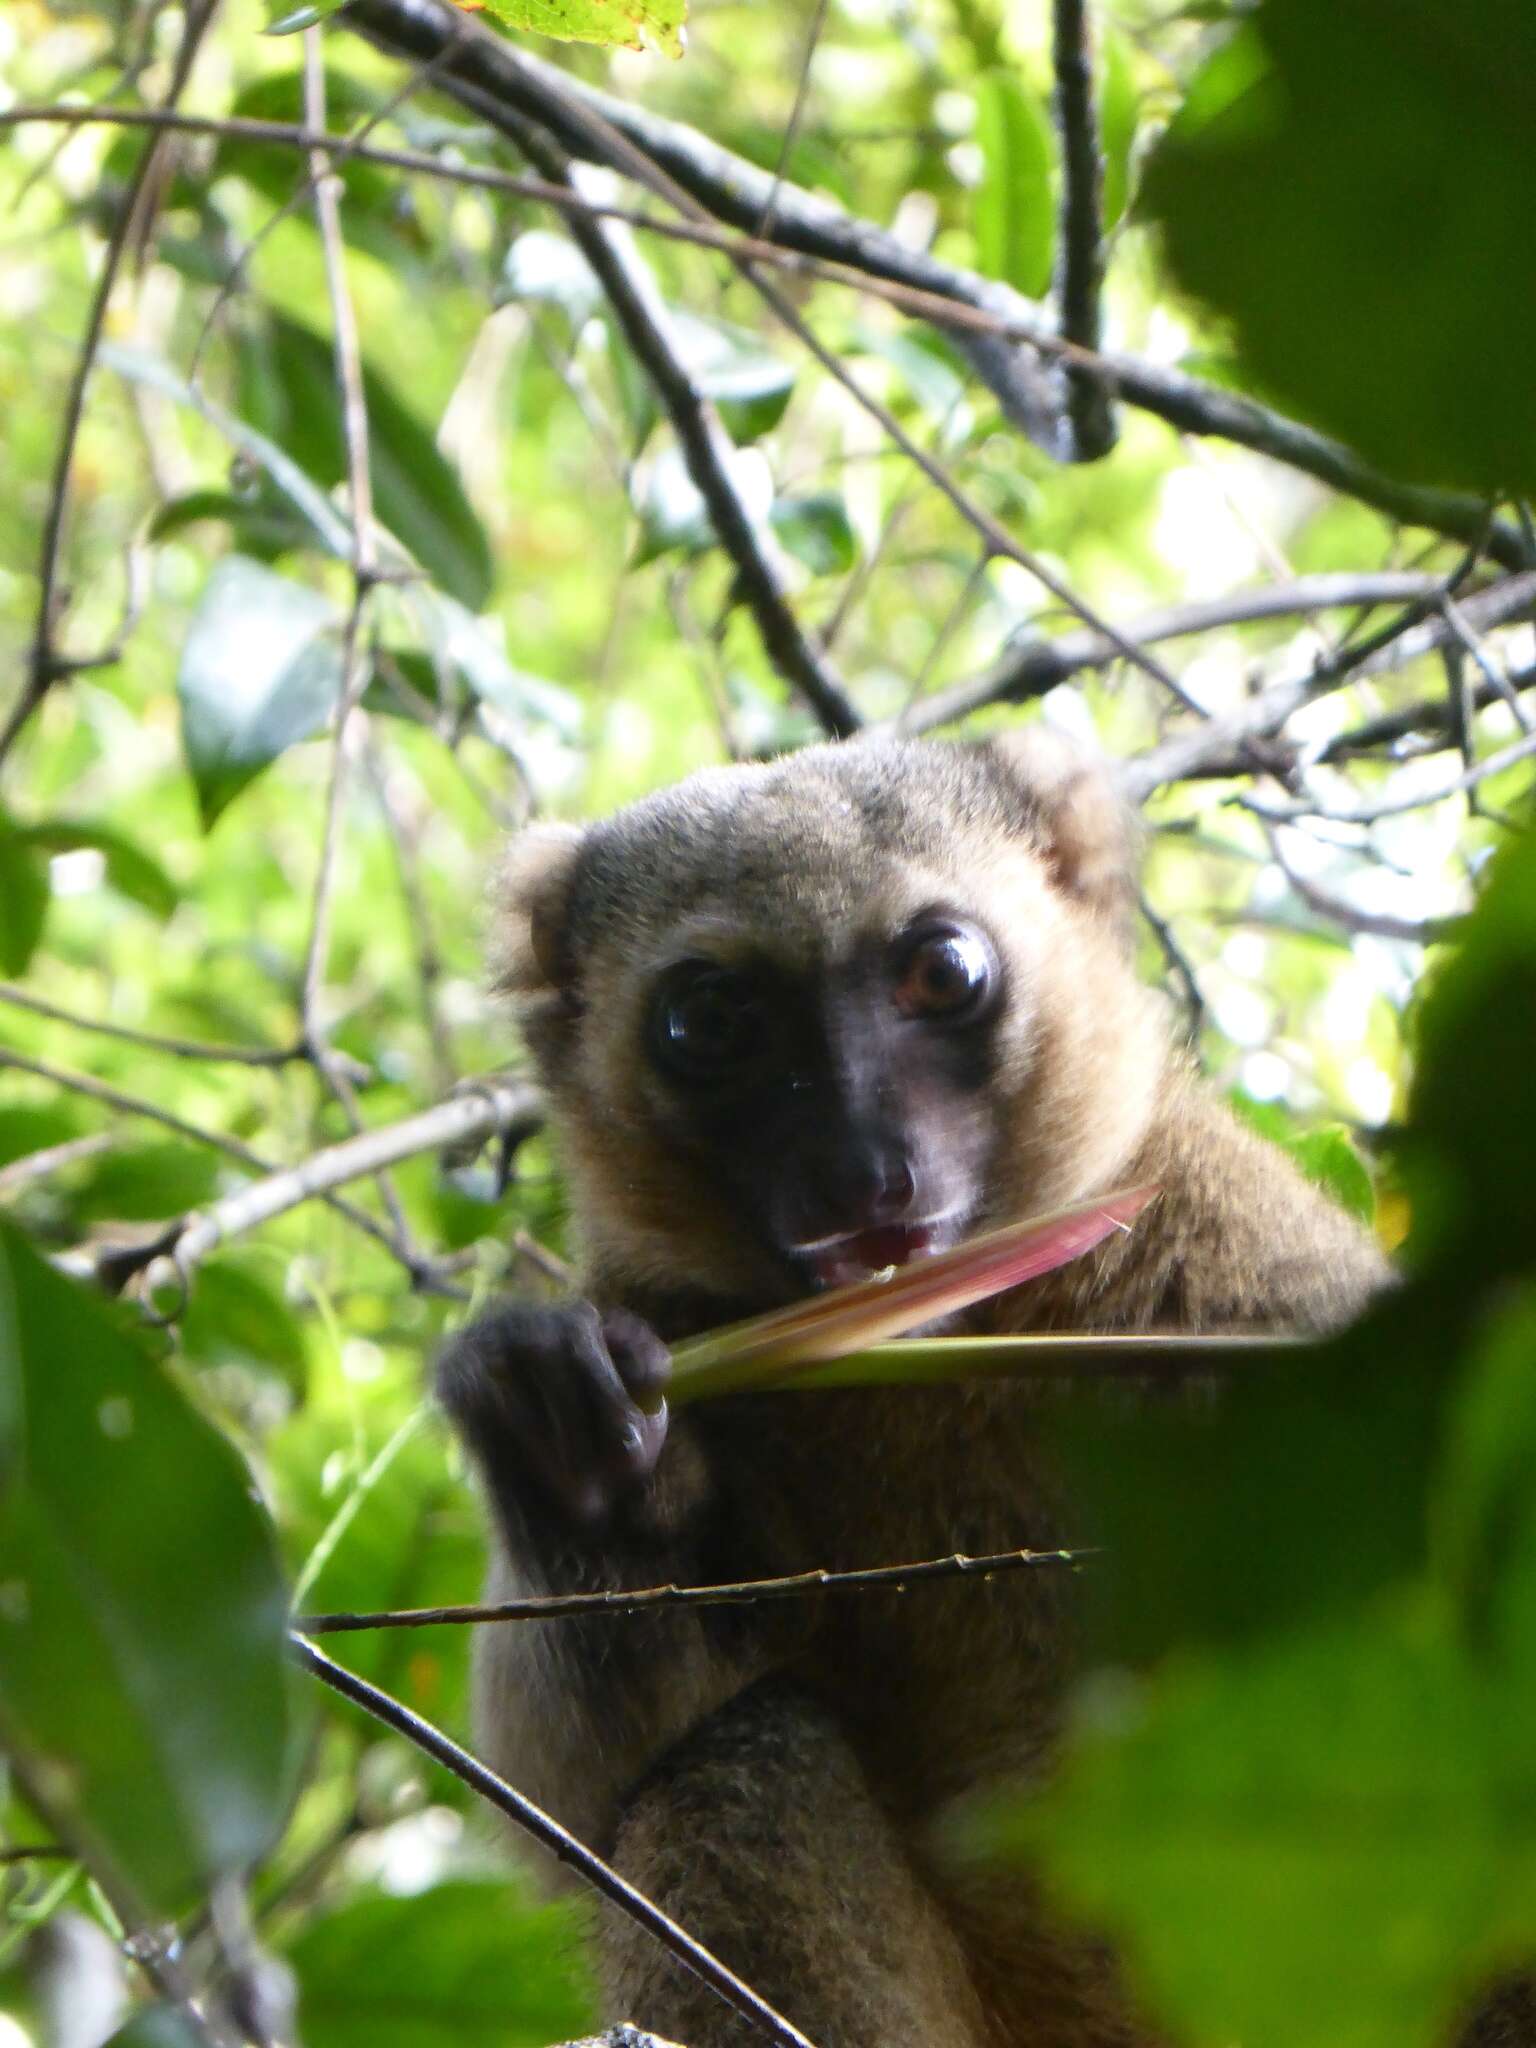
[(759, 1834)]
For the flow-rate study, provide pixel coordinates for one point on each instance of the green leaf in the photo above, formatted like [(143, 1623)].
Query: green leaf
[(260, 669), (288, 390), (155, 374), (287, 21), (1325, 1153), (261, 524), (232, 1313), (621, 24), (143, 1183), (142, 1618), (817, 531), (749, 386), (23, 899), (160, 2026), (1119, 119), (129, 869), (1015, 208), (1322, 160), (464, 1965)]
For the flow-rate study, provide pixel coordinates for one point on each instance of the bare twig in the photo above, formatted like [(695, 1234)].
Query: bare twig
[(47, 665), (1523, 749), (509, 1109), (547, 1831), (1377, 924), (1080, 263), (791, 133), (1431, 716), (1033, 666), (18, 1173), (153, 1041), (1217, 742), (744, 1593)]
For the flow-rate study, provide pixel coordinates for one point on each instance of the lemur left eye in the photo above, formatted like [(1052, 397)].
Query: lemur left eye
[(947, 973)]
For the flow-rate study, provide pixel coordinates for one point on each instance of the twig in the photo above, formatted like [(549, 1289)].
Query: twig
[(743, 1593), (1428, 715), (52, 1159), (153, 1041), (345, 148), (509, 1109), (1080, 264), (1376, 924), (791, 133), (1033, 666), (1523, 749), (47, 665), (546, 1830), (1215, 743), (1181, 967)]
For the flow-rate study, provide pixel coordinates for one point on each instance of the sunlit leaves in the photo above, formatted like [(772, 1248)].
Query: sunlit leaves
[(141, 1611), (1014, 203), (626, 24), (260, 668), (465, 1962), (1354, 187), (23, 898)]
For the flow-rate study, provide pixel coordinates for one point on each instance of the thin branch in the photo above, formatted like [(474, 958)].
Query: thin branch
[(1218, 741), (18, 1173), (707, 449), (1376, 924), (743, 1593), (1032, 666), (485, 1109), (89, 1264), (547, 1831), (1427, 715), (1523, 749), (153, 1041), (1180, 966), (734, 190), (791, 133), (1080, 264), (47, 665)]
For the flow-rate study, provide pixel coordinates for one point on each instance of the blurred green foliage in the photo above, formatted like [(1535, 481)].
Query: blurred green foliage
[(1297, 1788)]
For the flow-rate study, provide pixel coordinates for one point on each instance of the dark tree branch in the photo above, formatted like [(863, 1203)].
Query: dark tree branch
[(1080, 261), (1006, 359), (706, 447), (1033, 666), (547, 1831), (743, 1593)]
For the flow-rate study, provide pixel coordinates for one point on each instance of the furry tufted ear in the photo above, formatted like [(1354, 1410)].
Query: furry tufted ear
[(533, 956), (1090, 834)]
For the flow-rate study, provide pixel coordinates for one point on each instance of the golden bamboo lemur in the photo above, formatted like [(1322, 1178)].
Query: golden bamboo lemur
[(798, 1022)]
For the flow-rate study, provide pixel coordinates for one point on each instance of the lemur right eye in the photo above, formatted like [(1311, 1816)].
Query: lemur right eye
[(706, 1022)]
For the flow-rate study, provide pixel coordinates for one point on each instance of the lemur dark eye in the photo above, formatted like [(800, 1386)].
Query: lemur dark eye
[(706, 1021), (947, 973)]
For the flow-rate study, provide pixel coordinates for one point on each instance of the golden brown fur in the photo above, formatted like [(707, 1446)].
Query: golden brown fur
[(779, 1777)]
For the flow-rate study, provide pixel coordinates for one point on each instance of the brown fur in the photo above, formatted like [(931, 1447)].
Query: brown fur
[(779, 1777)]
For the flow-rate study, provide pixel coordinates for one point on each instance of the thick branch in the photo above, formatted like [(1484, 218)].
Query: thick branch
[(1080, 263)]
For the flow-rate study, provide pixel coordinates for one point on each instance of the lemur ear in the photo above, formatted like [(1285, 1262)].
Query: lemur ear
[(1089, 831), (533, 954)]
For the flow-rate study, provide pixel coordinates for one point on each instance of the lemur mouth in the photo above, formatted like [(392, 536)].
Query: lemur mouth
[(837, 1261)]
